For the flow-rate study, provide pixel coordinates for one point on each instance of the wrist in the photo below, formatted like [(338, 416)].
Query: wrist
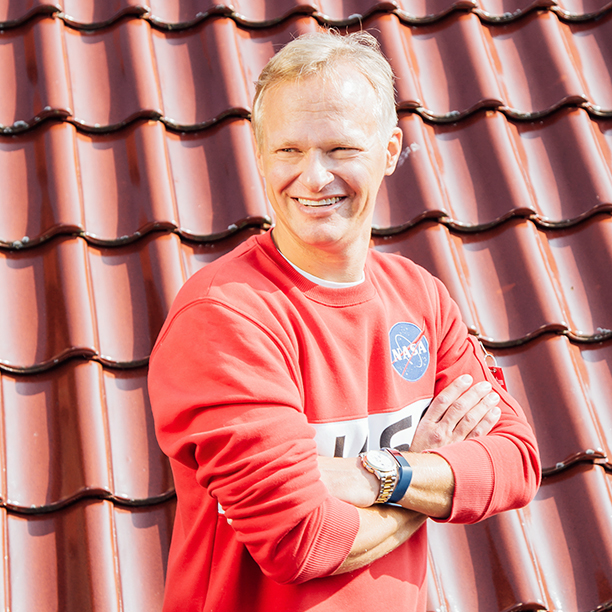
[(432, 487)]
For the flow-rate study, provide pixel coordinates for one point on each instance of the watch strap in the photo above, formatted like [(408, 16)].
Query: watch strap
[(405, 475)]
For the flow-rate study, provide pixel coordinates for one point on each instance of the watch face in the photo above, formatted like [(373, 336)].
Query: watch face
[(380, 460)]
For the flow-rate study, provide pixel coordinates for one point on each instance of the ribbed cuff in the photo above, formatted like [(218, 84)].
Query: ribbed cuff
[(339, 527), (474, 480)]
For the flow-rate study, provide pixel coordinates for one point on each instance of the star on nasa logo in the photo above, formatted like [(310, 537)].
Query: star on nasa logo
[(409, 351)]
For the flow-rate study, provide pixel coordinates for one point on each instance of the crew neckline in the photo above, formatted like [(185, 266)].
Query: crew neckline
[(337, 296), (323, 282)]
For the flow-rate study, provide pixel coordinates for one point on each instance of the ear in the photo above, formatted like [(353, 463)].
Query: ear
[(259, 160), (394, 148)]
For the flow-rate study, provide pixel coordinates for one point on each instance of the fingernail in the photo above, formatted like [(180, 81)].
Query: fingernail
[(466, 379)]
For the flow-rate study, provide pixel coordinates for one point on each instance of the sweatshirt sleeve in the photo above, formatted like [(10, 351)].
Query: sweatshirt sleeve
[(493, 473), (227, 404)]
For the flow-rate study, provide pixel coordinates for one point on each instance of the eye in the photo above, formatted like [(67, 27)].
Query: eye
[(344, 151)]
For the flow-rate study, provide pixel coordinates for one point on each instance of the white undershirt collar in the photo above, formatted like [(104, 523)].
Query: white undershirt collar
[(322, 281)]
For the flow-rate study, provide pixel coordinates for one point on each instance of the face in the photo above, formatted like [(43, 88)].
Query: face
[(323, 160)]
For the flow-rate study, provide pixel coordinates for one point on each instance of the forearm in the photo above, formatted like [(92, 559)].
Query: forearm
[(381, 530), (432, 486), (430, 491)]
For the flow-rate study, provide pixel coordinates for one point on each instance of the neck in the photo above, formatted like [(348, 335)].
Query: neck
[(344, 265)]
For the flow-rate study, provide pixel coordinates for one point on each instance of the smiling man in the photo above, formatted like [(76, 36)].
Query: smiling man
[(324, 153), (318, 400)]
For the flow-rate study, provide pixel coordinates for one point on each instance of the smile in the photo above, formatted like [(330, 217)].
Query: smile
[(326, 202)]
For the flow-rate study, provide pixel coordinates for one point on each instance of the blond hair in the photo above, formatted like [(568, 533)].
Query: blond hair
[(324, 54)]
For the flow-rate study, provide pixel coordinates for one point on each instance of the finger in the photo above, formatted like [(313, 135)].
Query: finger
[(466, 402), (486, 424), (480, 419), (441, 403)]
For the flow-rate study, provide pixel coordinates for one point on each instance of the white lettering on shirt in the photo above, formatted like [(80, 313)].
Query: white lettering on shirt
[(349, 438)]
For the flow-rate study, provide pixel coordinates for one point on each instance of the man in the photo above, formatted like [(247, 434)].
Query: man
[(283, 361)]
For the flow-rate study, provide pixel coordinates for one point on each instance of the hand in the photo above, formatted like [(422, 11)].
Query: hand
[(459, 412), (347, 480)]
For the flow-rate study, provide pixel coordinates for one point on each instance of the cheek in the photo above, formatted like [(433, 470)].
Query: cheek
[(279, 178), (365, 179)]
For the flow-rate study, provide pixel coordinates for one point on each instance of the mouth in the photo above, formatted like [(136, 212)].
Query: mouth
[(319, 203)]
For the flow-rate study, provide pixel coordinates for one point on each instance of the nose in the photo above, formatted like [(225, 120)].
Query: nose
[(316, 172)]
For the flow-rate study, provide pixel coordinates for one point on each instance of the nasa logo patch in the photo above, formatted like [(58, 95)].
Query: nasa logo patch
[(409, 351)]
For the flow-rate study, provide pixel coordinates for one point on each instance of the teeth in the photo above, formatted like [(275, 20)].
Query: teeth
[(326, 202)]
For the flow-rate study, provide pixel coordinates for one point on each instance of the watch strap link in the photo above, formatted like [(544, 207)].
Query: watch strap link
[(387, 487), (405, 475)]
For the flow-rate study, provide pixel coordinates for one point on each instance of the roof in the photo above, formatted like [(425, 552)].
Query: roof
[(127, 163)]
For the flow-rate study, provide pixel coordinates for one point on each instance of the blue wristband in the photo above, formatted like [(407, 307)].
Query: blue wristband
[(405, 475)]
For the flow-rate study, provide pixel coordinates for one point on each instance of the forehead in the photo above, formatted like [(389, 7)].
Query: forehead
[(335, 104)]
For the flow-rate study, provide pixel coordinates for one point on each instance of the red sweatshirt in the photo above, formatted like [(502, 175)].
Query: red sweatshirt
[(255, 372)]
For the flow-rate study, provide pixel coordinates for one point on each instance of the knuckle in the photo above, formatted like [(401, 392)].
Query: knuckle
[(479, 431), (444, 398), (437, 438), (470, 420), (460, 406)]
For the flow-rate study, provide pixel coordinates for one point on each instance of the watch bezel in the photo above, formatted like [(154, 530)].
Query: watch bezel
[(380, 460)]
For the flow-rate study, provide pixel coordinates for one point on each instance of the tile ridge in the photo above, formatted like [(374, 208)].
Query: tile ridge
[(145, 12), (29, 15), (74, 353), (59, 115), (86, 496), (512, 114), (553, 329), (457, 226), (148, 230), (592, 456)]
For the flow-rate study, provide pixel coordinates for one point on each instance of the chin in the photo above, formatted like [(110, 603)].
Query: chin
[(322, 238)]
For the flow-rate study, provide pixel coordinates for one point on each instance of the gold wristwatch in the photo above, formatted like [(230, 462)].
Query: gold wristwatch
[(384, 467)]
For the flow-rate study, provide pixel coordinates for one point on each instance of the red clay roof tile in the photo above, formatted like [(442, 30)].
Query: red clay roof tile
[(132, 289), (575, 433), (14, 13), (47, 312), (500, 572), (216, 182), (78, 431), (33, 172), (112, 74), (125, 182), (35, 83), (86, 13), (89, 556), (569, 527), (506, 295), (582, 9)]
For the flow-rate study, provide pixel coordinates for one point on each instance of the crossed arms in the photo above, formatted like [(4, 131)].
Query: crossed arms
[(460, 412)]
